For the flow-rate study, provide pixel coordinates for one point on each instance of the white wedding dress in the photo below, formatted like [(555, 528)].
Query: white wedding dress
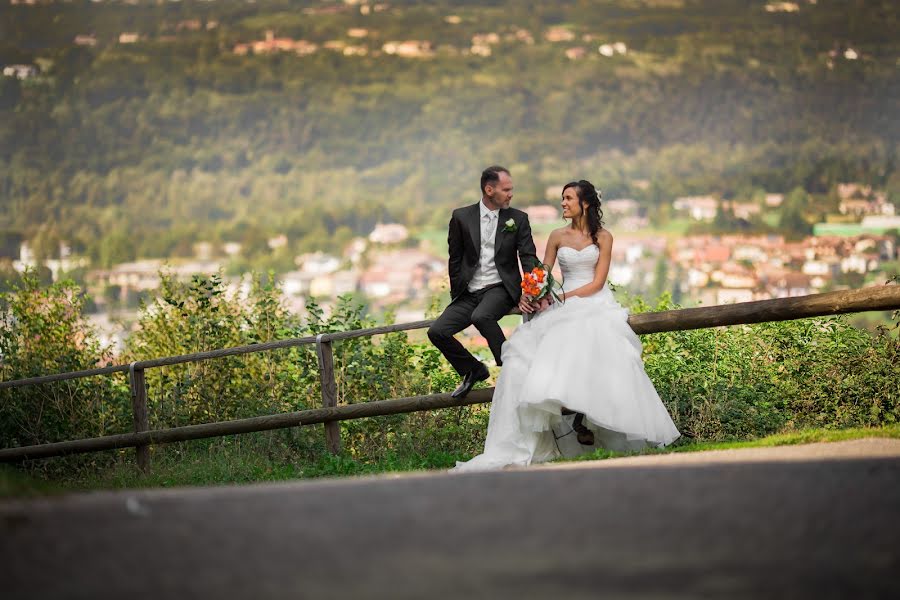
[(581, 355)]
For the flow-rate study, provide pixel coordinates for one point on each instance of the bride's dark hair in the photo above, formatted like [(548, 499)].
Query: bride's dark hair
[(589, 197)]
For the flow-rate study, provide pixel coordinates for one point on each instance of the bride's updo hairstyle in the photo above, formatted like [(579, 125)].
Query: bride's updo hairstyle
[(589, 198)]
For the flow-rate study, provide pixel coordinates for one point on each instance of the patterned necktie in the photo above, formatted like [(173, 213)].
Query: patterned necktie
[(488, 228)]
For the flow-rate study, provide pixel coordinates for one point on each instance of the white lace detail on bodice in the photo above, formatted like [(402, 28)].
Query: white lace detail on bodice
[(577, 265)]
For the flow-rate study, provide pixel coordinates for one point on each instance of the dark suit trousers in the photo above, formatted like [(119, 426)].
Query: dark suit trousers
[(482, 309)]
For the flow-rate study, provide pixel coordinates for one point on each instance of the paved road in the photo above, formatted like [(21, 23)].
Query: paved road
[(812, 524)]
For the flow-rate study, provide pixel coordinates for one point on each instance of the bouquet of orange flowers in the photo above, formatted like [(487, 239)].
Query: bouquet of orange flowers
[(539, 282)]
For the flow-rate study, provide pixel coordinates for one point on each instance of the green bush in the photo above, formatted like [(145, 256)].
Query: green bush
[(747, 381), (729, 383), (43, 332), (200, 316)]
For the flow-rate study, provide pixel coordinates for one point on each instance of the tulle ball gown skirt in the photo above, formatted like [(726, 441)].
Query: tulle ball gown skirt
[(581, 355)]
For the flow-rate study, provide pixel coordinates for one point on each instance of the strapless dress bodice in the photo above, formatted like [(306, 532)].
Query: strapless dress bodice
[(577, 266)]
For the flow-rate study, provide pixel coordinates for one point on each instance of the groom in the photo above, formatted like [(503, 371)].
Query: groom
[(487, 240)]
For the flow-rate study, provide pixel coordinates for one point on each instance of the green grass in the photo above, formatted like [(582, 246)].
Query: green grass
[(241, 466), (673, 228), (274, 20), (217, 466), (15, 484), (771, 218), (806, 436), (435, 238)]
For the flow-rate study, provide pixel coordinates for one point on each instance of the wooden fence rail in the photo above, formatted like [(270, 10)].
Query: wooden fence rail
[(885, 297)]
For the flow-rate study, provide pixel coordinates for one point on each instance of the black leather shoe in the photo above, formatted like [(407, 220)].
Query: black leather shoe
[(472, 377), (585, 436)]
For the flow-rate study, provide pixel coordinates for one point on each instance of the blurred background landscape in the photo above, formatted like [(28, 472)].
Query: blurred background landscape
[(744, 149), (177, 177)]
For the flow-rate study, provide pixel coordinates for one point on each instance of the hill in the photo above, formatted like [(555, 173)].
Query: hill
[(151, 126)]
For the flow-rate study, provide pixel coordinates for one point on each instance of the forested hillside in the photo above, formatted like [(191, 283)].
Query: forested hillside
[(143, 146)]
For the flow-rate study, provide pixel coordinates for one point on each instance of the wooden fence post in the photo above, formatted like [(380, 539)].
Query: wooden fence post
[(141, 417), (325, 355)]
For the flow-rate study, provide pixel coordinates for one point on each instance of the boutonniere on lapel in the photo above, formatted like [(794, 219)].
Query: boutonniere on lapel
[(510, 226)]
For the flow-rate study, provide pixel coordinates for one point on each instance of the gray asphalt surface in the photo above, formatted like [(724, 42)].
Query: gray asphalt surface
[(806, 528)]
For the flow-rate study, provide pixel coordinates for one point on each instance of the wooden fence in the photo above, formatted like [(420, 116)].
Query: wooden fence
[(885, 297)]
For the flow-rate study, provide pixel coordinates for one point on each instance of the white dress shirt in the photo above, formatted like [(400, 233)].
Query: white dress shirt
[(486, 272)]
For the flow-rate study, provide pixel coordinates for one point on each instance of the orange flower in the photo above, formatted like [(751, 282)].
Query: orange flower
[(530, 285), (537, 283)]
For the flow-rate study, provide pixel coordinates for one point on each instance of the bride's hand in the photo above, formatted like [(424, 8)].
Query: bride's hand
[(544, 304), (525, 305)]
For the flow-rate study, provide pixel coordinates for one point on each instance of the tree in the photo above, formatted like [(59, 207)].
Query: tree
[(660, 277), (793, 223), (43, 332), (115, 249), (45, 244), (10, 242), (10, 92)]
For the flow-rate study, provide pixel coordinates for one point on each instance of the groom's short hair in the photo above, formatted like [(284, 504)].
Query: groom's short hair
[(491, 175)]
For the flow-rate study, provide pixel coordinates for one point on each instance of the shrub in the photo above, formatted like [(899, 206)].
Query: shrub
[(43, 332), (721, 383), (751, 380)]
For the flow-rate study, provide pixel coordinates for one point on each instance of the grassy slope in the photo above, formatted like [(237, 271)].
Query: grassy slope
[(219, 468)]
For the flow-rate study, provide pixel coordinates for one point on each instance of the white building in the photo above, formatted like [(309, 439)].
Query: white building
[(318, 263), (559, 34), (621, 206), (882, 222), (753, 254), (85, 40), (854, 263), (788, 7), (20, 71), (355, 249), (732, 296), (697, 278), (542, 213), (333, 285), (818, 267), (609, 50), (774, 200), (700, 208), (279, 241), (231, 248), (296, 283), (388, 233), (621, 274), (409, 49)]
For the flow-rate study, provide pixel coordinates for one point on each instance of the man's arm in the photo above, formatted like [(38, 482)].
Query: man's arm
[(525, 246), (455, 246)]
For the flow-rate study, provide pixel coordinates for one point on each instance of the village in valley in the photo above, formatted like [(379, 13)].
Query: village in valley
[(397, 269)]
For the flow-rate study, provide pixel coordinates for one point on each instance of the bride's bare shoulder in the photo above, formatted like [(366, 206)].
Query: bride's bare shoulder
[(556, 235), (604, 238)]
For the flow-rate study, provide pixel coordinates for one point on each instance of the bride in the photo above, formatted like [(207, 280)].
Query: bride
[(572, 376)]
